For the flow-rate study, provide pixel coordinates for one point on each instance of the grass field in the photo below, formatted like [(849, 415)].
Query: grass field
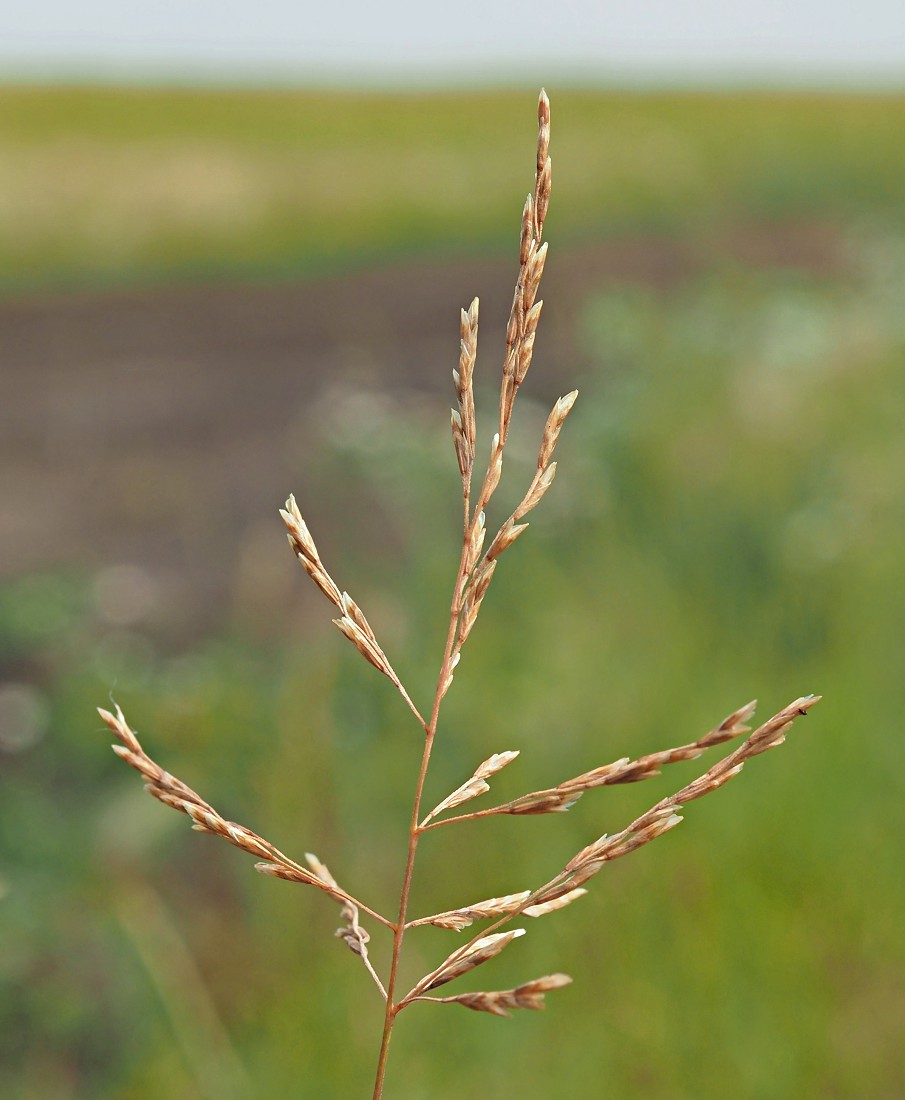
[(727, 522), (104, 185)]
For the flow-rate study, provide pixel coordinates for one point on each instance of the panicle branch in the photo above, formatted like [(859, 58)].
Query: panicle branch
[(351, 622), (525, 312), (523, 317), (562, 797), (510, 904), (501, 1002), (476, 571), (457, 919), (350, 932), (475, 785), (462, 961), (568, 884), (173, 792), (664, 816)]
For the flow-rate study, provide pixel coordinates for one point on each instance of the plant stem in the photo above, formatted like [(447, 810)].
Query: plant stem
[(414, 831), (414, 834)]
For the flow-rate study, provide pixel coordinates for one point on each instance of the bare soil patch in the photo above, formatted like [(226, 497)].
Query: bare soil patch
[(150, 427)]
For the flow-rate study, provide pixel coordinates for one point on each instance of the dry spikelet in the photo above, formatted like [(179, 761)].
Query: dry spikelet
[(467, 958), (544, 175), (352, 622), (447, 680), (708, 782), (481, 580), (505, 537), (457, 919), (501, 1002), (320, 869), (474, 595), (494, 469), (303, 546), (731, 726), (527, 233), (553, 427), (350, 932), (354, 626), (510, 904), (475, 785), (354, 936), (366, 646), (542, 481), (542, 802), (278, 870), (465, 793), (496, 763), (463, 458), (475, 545), (464, 431), (469, 618), (542, 908), (591, 860)]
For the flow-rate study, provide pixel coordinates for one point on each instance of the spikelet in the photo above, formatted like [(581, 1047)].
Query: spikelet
[(510, 904), (501, 1002), (351, 622), (457, 919), (303, 547), (476, 784), (463, 418), (465, 959)]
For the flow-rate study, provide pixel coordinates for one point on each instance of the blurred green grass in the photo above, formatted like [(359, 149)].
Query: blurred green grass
[(102, 185), (727, 523)]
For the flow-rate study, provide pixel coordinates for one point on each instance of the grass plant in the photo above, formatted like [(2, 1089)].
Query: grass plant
[(477, 564)]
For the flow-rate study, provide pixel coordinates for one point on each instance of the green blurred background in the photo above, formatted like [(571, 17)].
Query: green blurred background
[(214, 298)]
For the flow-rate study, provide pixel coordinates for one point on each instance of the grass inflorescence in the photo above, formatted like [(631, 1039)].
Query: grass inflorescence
[(479, 555)]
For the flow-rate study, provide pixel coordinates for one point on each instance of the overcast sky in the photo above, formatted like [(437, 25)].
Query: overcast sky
[(399, 41)]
